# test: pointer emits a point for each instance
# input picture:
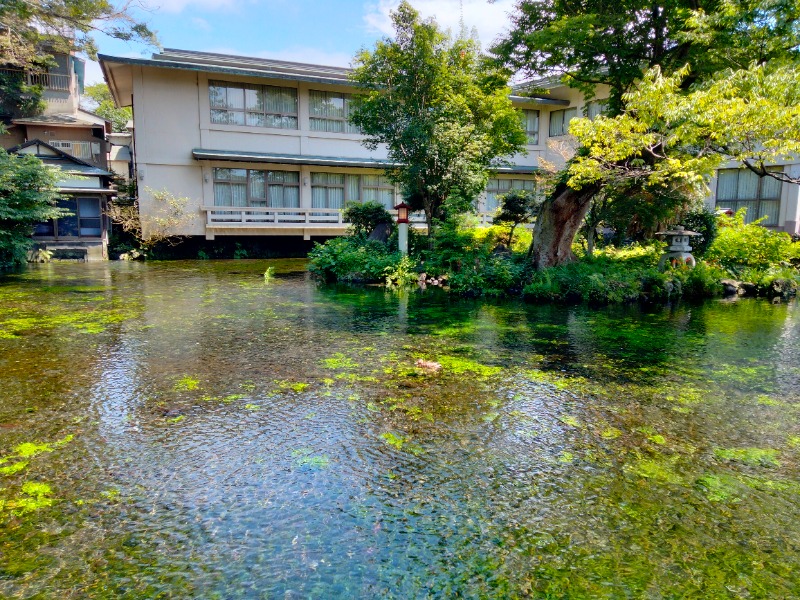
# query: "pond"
(194, 429)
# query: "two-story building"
(73, 140)
(263, 147)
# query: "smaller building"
(85, 189)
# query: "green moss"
(610, 433)
(339, 361)
(13, 468)
(719, 488)
(187, 384)
(570, 420)
(29, 449)
(754, 457)
(460, 365)
(662, 470)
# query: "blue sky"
(316, 31)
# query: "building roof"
(57, 157)
(321, 161)
(57, 120)
(119, 77)
(209, 62)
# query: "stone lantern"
(679, 249)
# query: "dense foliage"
(103, 104)
(473, 261)
(27, 196)
(352, 259)
(691, 85)
(740, 246)
(444, 119)
(365, 217)
(625, 275)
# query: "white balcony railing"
(51, 81)
(271, 218)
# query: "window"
(251, 187)
(498, 187)
(330, 111)
(327, 190)
(76, 149)
(530, 123)
(85, 220)
(596, 108)
(257, 105)
(559, 121)
(334, 190)
(741, 188)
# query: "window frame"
(254, 201)
(560, 117)
(735, 204)
(531, 135)
(347, 127)
(244, 111)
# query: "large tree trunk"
(558, 222)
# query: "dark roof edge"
(538, 100)
(324, 161)
(197, 67)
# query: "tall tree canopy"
(31, 30)
(445, 121)
(596, 42)
(102, 104)
(27, 196)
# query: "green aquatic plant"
(35, 495)
(187, 384)
(659, 469)
(460, 365)
(269, 274)
(252, 407)
(754, 457)
(570, 420)
(305, 457)
(13, 468)
(610, 433)
(339, 361)
(719, 488)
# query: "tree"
(28, 196)
(594, 42)
(168, 213)
(32, 30)
(750, 116)
(517, 207)
(444, 121)
(100, 96)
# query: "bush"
(363, 218)
(352, 259)
(739, 246)
(705, 223)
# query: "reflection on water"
(236, 437)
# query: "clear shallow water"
(236, 438)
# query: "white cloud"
(201, 24)
(177, 6)
(490, 20)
